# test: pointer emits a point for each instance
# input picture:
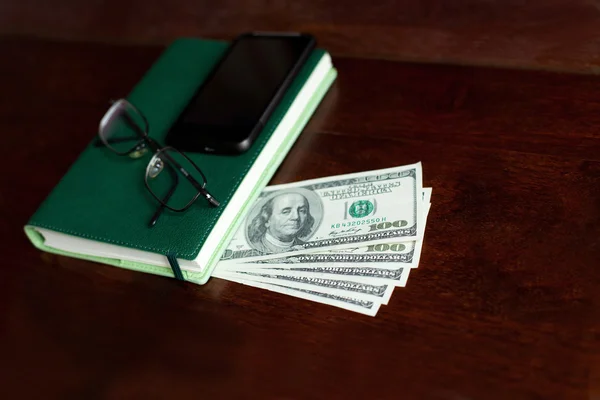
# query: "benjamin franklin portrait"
(281, 222)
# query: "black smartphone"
(230, 108)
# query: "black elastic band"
(175, 267)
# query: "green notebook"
(100, 209)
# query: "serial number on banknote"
(378, 225)
(355, 223)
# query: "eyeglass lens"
(123, 129)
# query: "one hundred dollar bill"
(366, 307)
(338, 286)
(383, 255)
(388, 255)
(336, 212)
(374, 275)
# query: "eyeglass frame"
(146, 142)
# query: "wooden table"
(505, 303)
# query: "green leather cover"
(103, 198)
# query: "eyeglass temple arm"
(209, 197)
(161, 207)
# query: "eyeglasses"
(171, 177)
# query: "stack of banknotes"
(345, 241)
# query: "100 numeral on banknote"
(328, 213)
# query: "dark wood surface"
(505, 302)
(549, 34)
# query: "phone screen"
(230, 104)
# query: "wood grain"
(505, 302)
(551, 34)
